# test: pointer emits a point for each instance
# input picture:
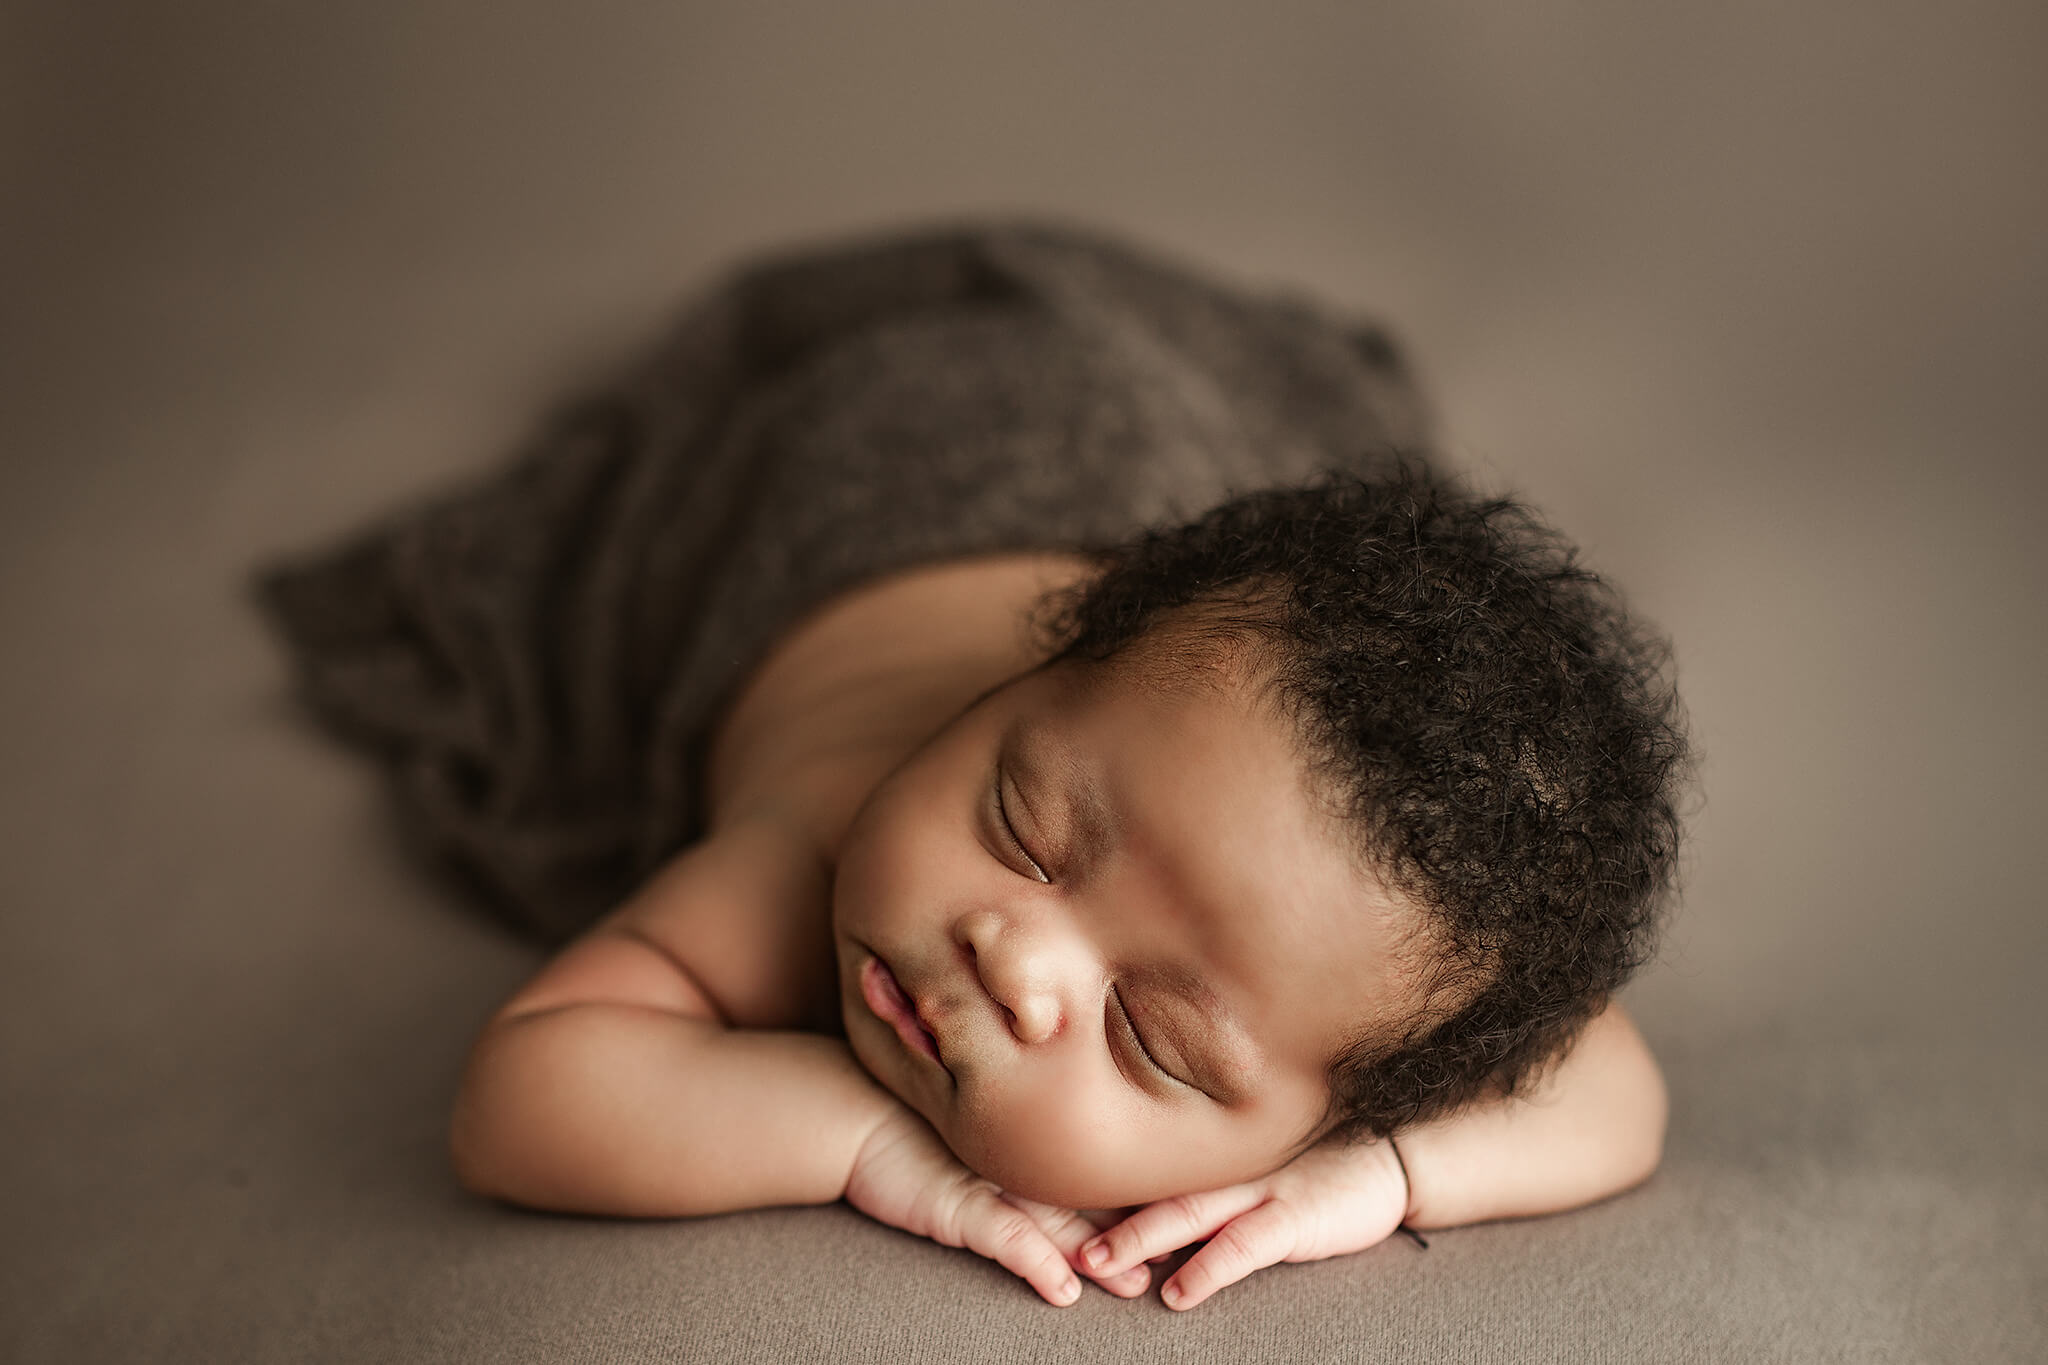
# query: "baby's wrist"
(888, 1123)
(1407, 1184)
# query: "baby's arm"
(1593, 1127)
(612, 1082)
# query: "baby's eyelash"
(1130, 1029)
(1010, 832)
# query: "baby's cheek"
(1056, 1154)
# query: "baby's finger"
(1105, 1219)
(1068, 1228)
(1165, 1227)
(991, 1226)
(1262, 1237)
(1130, 1283)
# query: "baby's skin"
(1047, 962)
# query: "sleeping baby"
(1263, 881)
(1016, 733)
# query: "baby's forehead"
(1237, 695)
(1161, 669)
(1098, 718)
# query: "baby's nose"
(1034, 1016)
(1028, 970)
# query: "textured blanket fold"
(540, 658)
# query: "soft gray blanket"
(539, 659)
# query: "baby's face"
(1140, 995)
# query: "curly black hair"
(1502, 736)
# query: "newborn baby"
(1264, 880)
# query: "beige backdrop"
(1752, 298)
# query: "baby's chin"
(1034, 1175)
(1021, 1166)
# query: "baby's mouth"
(894, 1007)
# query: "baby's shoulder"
(862, 680)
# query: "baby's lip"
(893, 1005)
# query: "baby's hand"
(906, 1177)
(1329, 1201)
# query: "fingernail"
(1096, 1255)
(1070, 1291)
(1171, 1293)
